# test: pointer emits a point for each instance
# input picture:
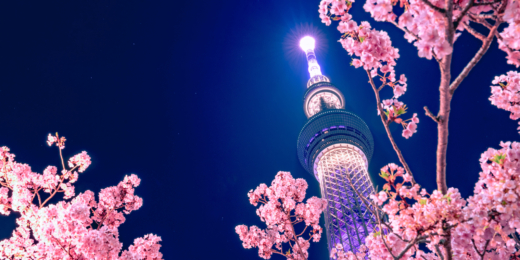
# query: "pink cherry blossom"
(77, 227)
(507, 94)
(281, 209)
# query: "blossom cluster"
(81, 228)
(493, 212)
(413, 215)
(487, 223)
(372, 50)
(510, 42)
(281, 209)
(507, 94)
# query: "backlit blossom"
(88, 228)
(281, 207)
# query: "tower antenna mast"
(336, 146)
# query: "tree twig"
(428, 113)
(385, 124)
(438, 9)
(485, 46)
(463, 13)
(474, 33)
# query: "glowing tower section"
(336, 147)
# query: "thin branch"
(414, 35)
(438, 9)
(385, 124)
(303, 231)
(474, 33)
(463, 13)
(61, 157)
(473, 17)
(298, 243)
(488, 3)
(428, 113)
(485, 46)
(439, 252)
(483, 251)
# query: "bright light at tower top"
(307, 43)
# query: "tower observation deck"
(336, 146)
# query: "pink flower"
(402, 79)
(407, 177)
(407, 133)
(399, 90)
(357, 63)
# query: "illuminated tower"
(336, 146)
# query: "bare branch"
(488, 3)
(485, 46)
(463, 13)
(385, 124)
(428, 113)
(438, 9)
(474, 33)
(438, 251)
(482, 21)
(483, 251)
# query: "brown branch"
(385, 124)
(439, 252)
(485, 46)
(296, 240)
(56, 190)
(303, 231)
(474, 33)
(438, 9)
(483, 251)
(61, 157)
(463, 13)
(428, 113)
(488, 3)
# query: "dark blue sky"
(203, 101)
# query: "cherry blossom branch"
(488, 3)
(474, 33)
(385, 124)
(303, 231)
(485, 46)
(438, 251)
(58, 242)
(483, 251)
(61, 157)
(429, 113)
(414, 35)
(277, 252)
(56, 189)
(298, 243)
(463, 13)
(438, 9)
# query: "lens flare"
(307, 43)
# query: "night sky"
(203, 101)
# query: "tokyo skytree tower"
(336, 146)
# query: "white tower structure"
(336, 146)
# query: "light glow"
(341, 169)
(307, 43)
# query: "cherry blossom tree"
(77, 227)
(281, 209)
(414, 224)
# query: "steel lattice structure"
(348, 221)
(336, 147)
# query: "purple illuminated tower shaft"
(336, 146)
